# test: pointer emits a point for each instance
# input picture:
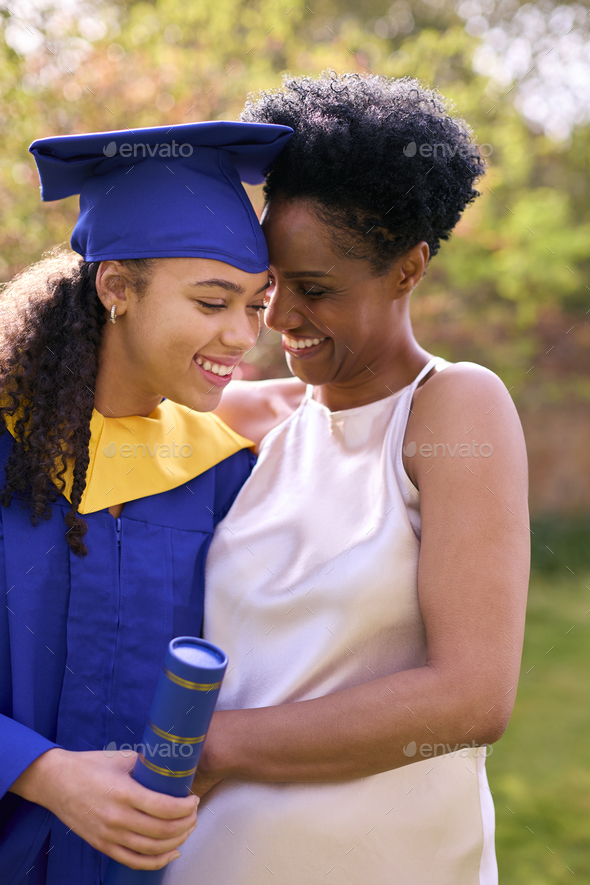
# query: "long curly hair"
(383, 161)
(51, 322)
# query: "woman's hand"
(95, 796)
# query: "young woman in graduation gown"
(369, 583)
(114, 474)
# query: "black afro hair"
(360, 152)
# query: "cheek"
(361, 327)
(256, 323)
(142, 339)
(186, 333)
(161, 339)
(344, 327)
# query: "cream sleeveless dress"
(311, 587)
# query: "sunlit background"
(510, 290)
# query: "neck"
(391, 370)
(114, 398)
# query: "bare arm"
(472, 585)
(253, 408)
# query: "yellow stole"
(135, 457)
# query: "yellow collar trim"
(135, 457)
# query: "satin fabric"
(312, 587)
(82, 642)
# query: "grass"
(539, 771)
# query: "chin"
(198, 402)
(307, 374)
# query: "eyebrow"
(228, 285)
(291, 275)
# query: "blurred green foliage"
(518, 256)
(561, 546)
(539, 772)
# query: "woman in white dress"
(369, 584)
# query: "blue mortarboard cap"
(166, 191)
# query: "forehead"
(293, 231)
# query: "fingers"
(159, 805)
(146, 846)
(140, 861)
(134, 825)
(154, 827)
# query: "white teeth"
(300, 343)
(216, 368)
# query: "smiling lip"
(217, 371)
(311, 345)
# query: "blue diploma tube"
(180, 716)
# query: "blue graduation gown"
(82, 642)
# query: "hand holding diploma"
(94, 796)
(132, 820)
(173, 739)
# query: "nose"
(240, 331)
(283, 311)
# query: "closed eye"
(312, 292)
(210, 306)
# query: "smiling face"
(341, 325)
(182, 339)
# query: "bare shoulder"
(464, 404)
(461, 384)
(253, 408)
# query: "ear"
(112, 286)
(410, 268)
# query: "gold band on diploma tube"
(174, 737)
(166, 771)
(195, 686)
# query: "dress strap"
(400, 432)
(308, 393)
(425, 370)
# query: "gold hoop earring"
(114, 313)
